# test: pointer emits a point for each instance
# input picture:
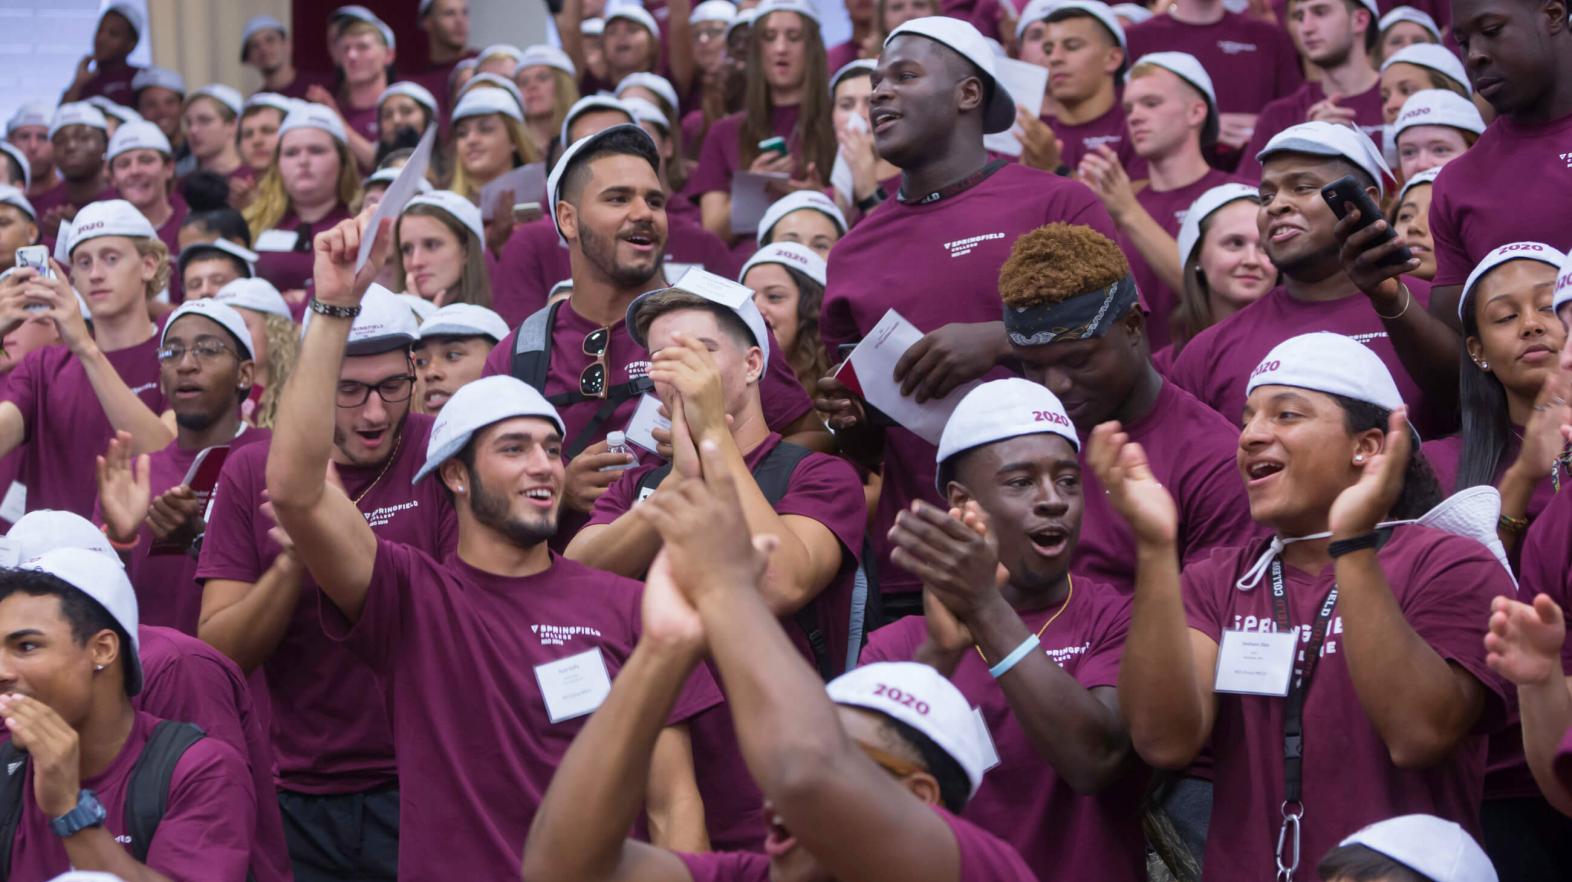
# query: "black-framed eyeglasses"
(352, 393)
(206, 352)
(592, 382)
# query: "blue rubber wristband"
(1014, 658)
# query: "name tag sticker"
(990, 753)
(1251, 663)
(574, 686)
(277, 240)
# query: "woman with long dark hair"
(1508, 382)
(787, 280)
(787, 97)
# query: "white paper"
(1255, 663)
(990, 752)
(840, 172)
(672, 271)
(398, 193)
(574, 686)
(277, 240)
(750, 199)
(646, 418)
(15, 503)
(873, 365)
(528, 183)
(1026, 84)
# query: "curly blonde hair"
(283, 344)
(155, 247)
(1053, 263)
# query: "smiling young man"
(68, 670)
(1299, 232)
(206, 267)
(338, 783)
(1338, 37)
(454, 343)
(65, 402)
(1172, 113)
(609, 205)
(142, 171)
(205, 358)
(1065, 793)
(364, 50)
(933, 252)
(1083, 47)
(864, 782)
(1513, 185)
(535, 637)
(80, 136)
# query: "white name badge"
(573, 686)
(1252, 663)
(990, 753)
(277, 240)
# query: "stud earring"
(1484, 365)
(1359, 458)
(98, 667)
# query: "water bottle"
(617, 442)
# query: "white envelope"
(646, 418)
(276, 240)
(750, 199)
(870, 372)
(1026, 84)
(398, 193)
(528, 183)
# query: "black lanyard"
(1293, 712)
(961, 186)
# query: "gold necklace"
(1067, 595)
(397, 443)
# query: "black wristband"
(871, 201)
(333, 310)
(1340, 547)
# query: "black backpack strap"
(532, 347)
(615, 396)
(773, 475)
(13, 778)
(148, 794)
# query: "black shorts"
(349, 837)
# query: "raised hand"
(1040, 148)
(333, 269)
(176, 516)
(689, 368)
(1122, 468)
(1359, 508)
(1524, 642)
(585, 481)
(955, 562)
(124, 488)
(54, 747)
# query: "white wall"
(41, 43)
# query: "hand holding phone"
(1345, 193)
(34, 257)
(775, 145)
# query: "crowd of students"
(742, 458)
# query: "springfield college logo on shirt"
(963, 247)
(559, 635)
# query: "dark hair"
(404, 139)
(812, 136)
(1486, 420)
(1359, 863)
(226, 222)
(1421, 490)
(17, 173)
(632, 141)
(85, 615)
(807, 358)
(954, 787)
(203, 251)
(205, 191)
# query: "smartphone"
(35, 257)
(527, 212)
(1345, 193)
(776, 144)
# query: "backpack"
(532, 362)
(146, 797)
(773, 475)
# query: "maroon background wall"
(309, 33)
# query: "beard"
(195, 422)
(602, 252)
(492, 510)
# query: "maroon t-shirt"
(362, 120)
(535, 258)
(840, 55)
(1545, 568)
(331, 732)
(302, 83)
(169, 234)
(1108, 130)
(167, 593)
(1250, 61)
(289, 270)
(721, 154)
(478, 758)
(1215, 365)
(112, 82)
(1443, 585)
(1294, 109)
(1513, 185)
(185, 679)
(1168, 208)
(936, 264)
(1445, 456)
(1063, 835)
(1201, 474)
(783, 397)
(57, 196)
(984, 858)
(436, 77)
(205, 832)
(65, 426)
